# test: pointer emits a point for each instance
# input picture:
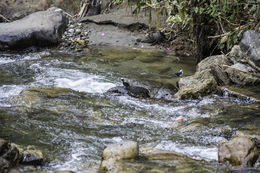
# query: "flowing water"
(73, 129)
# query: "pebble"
(71, 30)
(78, 31)
(75, 31)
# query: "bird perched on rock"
(179, 73)
(126, 84)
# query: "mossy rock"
(37, 97)
(243, 78)
(195, 125)
(197, 85)
(218, 60)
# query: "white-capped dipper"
(126, 84)
(179, 73)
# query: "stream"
(73, 129)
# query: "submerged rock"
(43, 28)
(151, 153)
(133, 91)
(238, 151)
(250, 46)
(37, 97)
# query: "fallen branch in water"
(1, 16)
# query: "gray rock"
(250, 45)
(43, 28)
(238, 151)
(71, 31)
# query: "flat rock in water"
(43, 28)
(133, 91)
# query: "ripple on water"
(7, 91)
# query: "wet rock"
(133, 91)
(242, 94)
(9, 156)
(125, 150)
(195, 125)
(9, 153)
(216, 65)
(4, 165)
(43, 28)
(63, 172)
(200, 84)
(238, 151)
(240, 74)
(32, 156)
(3, 145)
(42, 98)
(250, 46)
(22, 169)
(218, 60)
(236, 53)
(151, 153)
(252, 132)
(209, 74)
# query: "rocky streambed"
(58, 102)
(66, 109)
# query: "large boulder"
(43, 28)
(238, 151)
(17, 9)
(250, 46)
(209, 74)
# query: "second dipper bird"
(179, 73)
(126, 84)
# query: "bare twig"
(1, 16)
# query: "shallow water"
(73, 130)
